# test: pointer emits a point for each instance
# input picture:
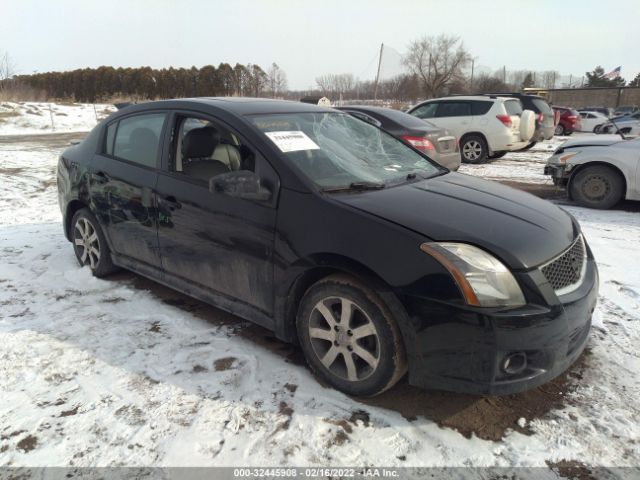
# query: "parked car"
(599, 171)
(335, 235)
(625, 110)
(545, 124)
(592, 121)
(625, 124)
(568, 121)
(437, 143)
(606, 111)
(488, 127)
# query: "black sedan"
(337, 236)
(436, 142)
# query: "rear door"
(513, 107)
(122, 186)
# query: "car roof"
(242, 105)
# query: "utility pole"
(504, 74)
(375, 90)
(473, 61)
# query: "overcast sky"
(308, 39)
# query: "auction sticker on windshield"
(292, 141)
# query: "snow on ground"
(27, 118)
(525, 166)
(105, 372)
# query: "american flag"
(615, 73)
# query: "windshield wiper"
(359, 186)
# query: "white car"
(597, 171)
(592, 121)
(487, 126)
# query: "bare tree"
(437, 61)
(7, 67)
(276, 80)
(549, 78)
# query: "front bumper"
(464, 349)
(558, 173)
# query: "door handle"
(171, 203)
(99, 177)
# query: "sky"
(308, 39)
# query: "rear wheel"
(349, 337)
(597, 187)
(473, 149)
(89, 244)
(559, 129)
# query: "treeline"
(104, 83)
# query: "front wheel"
(597, 187)
(349, 337)
(89, 243)
(474, 149)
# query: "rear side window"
(454, 109)
(513, 107)
(137, 138)
(480, 108)
(428, 110)
(111, 135)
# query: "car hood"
(592, 141)
(520, 229)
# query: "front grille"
(566, 270)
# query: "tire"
(528, 147)
(369, 336)
(596, 129)
(497, 155)
(527, 125)
(473, 149)
(597, 187)
(559, 129)
(90, 245)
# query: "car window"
(335, 150)
(203, 148)
(513, 107)
(111, 135)
(402, 119)
(542, 106)
(137, 138)
(454, 109)
(480, 108)
(428, 110)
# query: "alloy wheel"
(344, 338)
(472, 150)
(87, 243)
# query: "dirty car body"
(490, 289)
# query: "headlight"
(483, 280)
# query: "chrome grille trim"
(561, 271)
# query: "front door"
(123, 179)
(216, 242)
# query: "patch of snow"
(102, 373)
(29, 118)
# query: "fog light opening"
(514, 363)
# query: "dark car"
(545, 124)
(568, 120)
(337, 236)
(436, 142)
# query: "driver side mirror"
(240, 184)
